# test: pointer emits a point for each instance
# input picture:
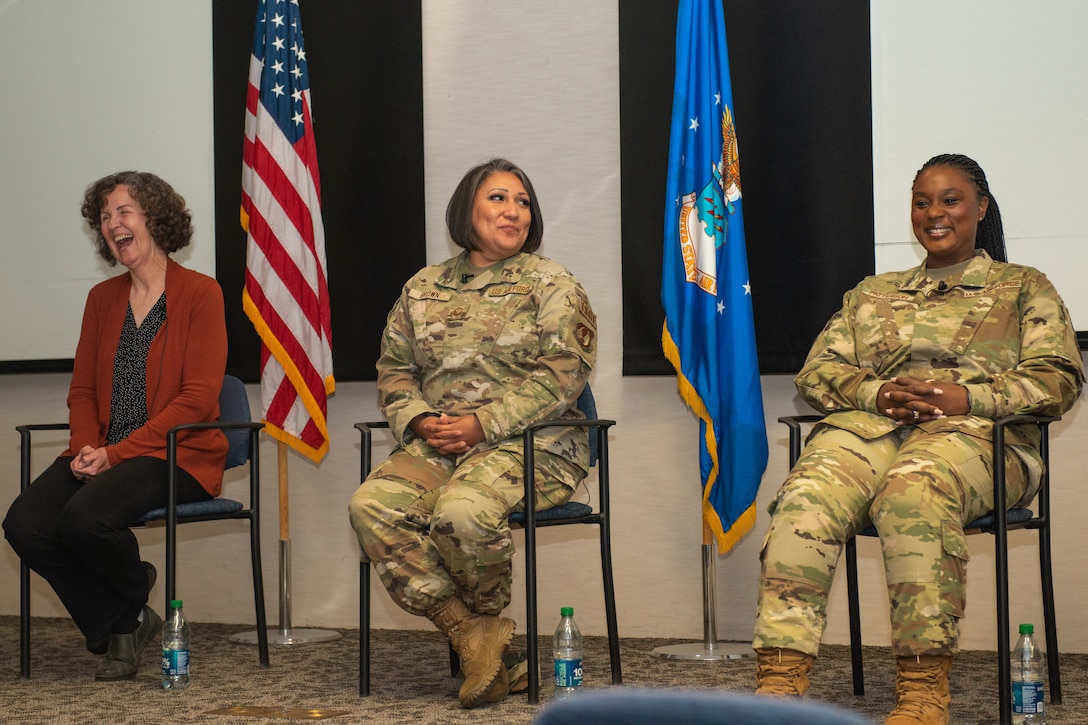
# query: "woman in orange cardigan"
(151, 355)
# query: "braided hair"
(991, 234)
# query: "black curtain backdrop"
(366, 80)
(803, 109)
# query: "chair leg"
(364, 628)
(1004, 668)
(856, 665)
(1050, 623)
(531, 640)
(24, 620)
(258, 591)
(455, 661)
(610, 604)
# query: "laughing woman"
(151, 355)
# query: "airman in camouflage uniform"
(999, 330)
(910, 374)
(513, 346)
(475, 350)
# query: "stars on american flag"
(286, 289)
(283, 55)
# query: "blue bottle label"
(175, 662)
(1027, 698)
(568, 673)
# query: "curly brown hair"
(170, 223)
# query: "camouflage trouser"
(917, 489)
(436, 529)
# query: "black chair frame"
(172, 514)
(529, 520)
(998, 523)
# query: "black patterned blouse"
(128, 406)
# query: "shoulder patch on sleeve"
(585, 325)
(586, 311)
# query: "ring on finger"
(916, 415)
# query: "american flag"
(286, 293)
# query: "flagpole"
(286, 635)
(709, 331)
(710, 649)
(285, 264)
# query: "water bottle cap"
(1027, 629)
(566, 612)
(175, 604)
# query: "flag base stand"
(706, 651)
(709, 650)
(285, 634)
(288, 636)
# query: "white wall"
(536, 82)
(93, 88)
(1002, 82)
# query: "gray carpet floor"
(411, 682)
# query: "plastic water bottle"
(1028, 673)
(175, 649)
(568, 655)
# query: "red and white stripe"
(286, 292)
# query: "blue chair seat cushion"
(200, 508)
(569, 510)
(985, 523)
(1012, 516)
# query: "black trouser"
(76, 536)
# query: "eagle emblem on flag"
(704, 215)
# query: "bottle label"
(568, 673)
(1027, 698)
(175, 662)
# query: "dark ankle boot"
(122, 660)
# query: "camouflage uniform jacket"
(999, 329)
(514, 346)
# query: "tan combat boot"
(782, 672)
(921, 691)
(481, 642)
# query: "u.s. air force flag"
(709, 333)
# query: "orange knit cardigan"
(185, 368)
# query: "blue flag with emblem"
(709, 332)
